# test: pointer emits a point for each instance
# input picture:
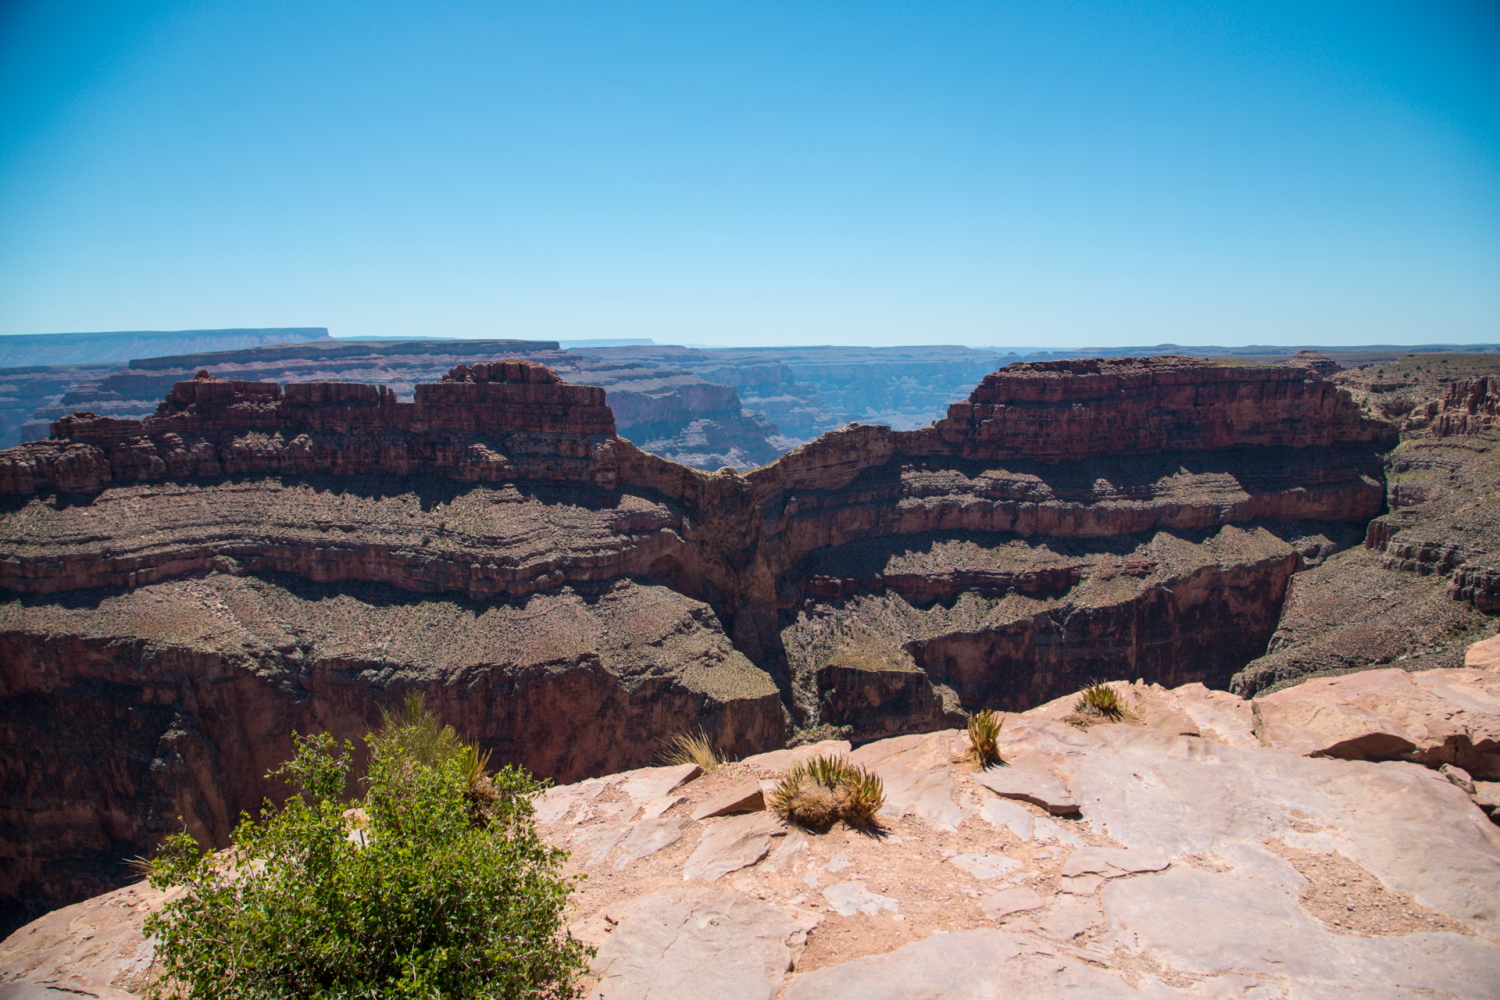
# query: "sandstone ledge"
(1200, 866)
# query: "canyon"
(188, 587)
(1200, 845)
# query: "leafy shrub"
(819, 791)
(984, 732)
(691, 748)
(444, 891)
(1100, 699)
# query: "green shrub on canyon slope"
(441, 888)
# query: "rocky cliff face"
(674, 413)
(1425, 582)
(1011, 551)
(253, 559)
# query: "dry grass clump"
(820, 791)
(1100, 700)
(691, 748)
(984, 732)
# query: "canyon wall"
(253, 559)
(1426, 581)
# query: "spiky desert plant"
(415, 734)
(1100, 699)
(863, 795)
(984, 732)
(819, 791)
(691, 748)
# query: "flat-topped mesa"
(487, 422)
(1053, 411)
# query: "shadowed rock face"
(253, 560)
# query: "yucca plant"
(414, 734)
(1100, 699)
(984, 732)
(691, 748)
(819, 791)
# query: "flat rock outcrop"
(1191, 866)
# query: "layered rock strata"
(254, 552)
(676, 414)
(251, 561)
(1011, 551)
(1425, 582)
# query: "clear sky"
(985, 173)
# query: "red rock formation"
(1469, 408)
(1069, 520)
(492, 423)
(1057, 410)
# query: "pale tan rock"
(1487, 794)
(1030, 781)
(645, 838)
(595, 842)
(777, 761)
(1484, 655)
(985, 866)
(1008, 813)
(1220, 716)
(655, 808)
(915, 771)
(650, 783)
(1111, 862)
(1080, 885)
(1008, 901)
(93, 948)
(696, 942)
(743, 796)
(1070, 916)
(849, 898)
(1433, 718)
(732, 843)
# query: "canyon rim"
(184, 591)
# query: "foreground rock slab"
(1196, 867)
(700, 943)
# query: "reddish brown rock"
(277, 558)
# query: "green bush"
(439, 888)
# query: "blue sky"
(1024, 173)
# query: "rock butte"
(1212, 863)
(188, 589)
